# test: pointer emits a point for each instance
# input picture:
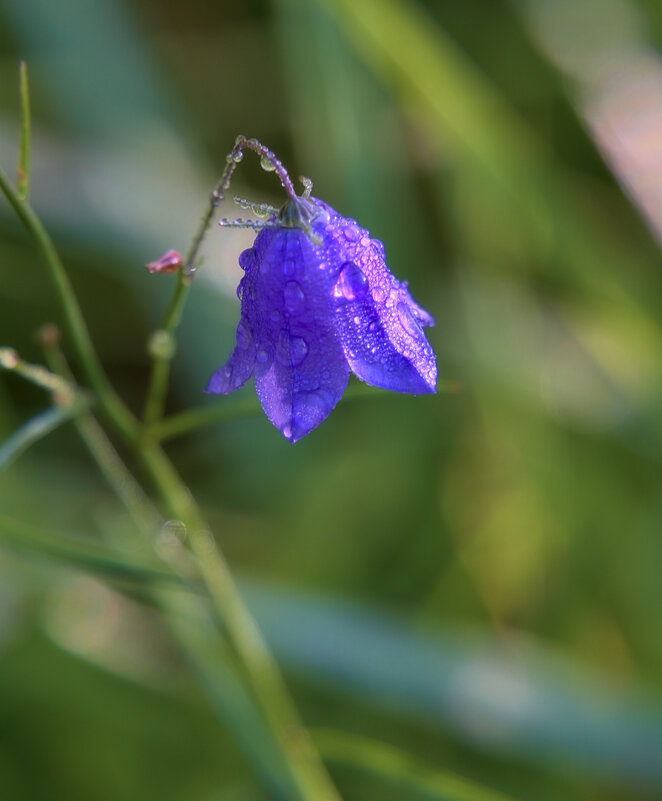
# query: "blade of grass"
(396, 766)
(23, 171)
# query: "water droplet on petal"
(357, 320)
(262, 356)
(378, 294)
(408, 321)
(374, 325)
(288, 267)
(352, 232)
(352, 281)
(274, 316)
(293, 297)
(246, 259)
(287, 430)
(244, 335)
(266, 165)
(298, 350)
(240, 289)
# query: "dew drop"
(378, 294)
(246, 259)
(352, 281)
(352, 232)
(266, 164)
(298, 350)
(365, 241)
(374, 325)
(262, 356)
(293, 297)
(274, 316)
(240, 289)
(357, 320)
(407, 320)
(288, 267)
(287, 430)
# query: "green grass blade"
(23, 179)
(399, 768)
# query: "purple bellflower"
(317, 300)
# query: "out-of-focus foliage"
(473, 577)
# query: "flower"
(317, 300)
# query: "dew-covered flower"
(317, 300)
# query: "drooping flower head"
(317, 300)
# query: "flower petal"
(382, 353)
(300, 370)
(379, 322)
(239, 367)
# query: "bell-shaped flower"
(317, 300)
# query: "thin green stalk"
(34, 429)
(162, 348)
(63, 391)
(140, 508)
(192, 419)
(110, 402)
(160, 376)
(302, 759)
(23, 172)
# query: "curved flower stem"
(112, 404)
(157, 388)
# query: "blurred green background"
(473, 577)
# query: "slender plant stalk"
(33, 430)
(176, 425)
(23, 172)
(112, 405)
(142, 511)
